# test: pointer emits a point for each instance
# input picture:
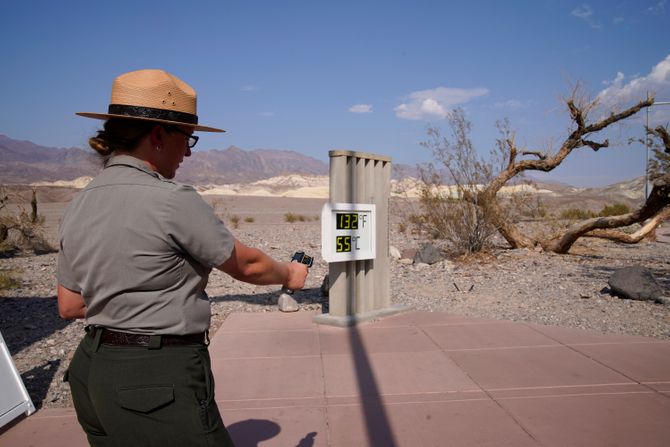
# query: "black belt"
(110, 337)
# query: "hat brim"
(106, 116)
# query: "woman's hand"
(297, 274)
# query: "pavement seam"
(323, 381)
(493, 399)
(611, 368)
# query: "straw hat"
(153, 95)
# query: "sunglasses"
(192, 139)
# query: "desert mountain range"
(259, 172)
(24, 162)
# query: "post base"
(352, 320)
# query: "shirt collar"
(129, 160)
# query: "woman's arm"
(70, 304)
(253, 266)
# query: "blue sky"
(312, 76)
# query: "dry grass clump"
(9, 280)
(292, 217)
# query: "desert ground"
(567, 290)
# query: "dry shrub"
(614, 210)
(292, 217)
(20, 231)
(9, 280)
(458, 213)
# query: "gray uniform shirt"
(139, 248)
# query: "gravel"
(520, 285)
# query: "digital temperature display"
(348, 231)
(342, 244)
(346, 221)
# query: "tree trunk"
(656, 204)
(633, 238)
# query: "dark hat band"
(148, 112)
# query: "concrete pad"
(355, 320)
(267, 377)
(495, 335)
(393, 373)
(663, 387)
(373, 339)
(533, 367)
(572, 336)
(420, 379)
(410, 398)
(624, 420)
(422, 318)
(568, 390)
(644, 362)
(53, 427)
(266, 344)
(477, 423)
(277, 426)
(267, 321)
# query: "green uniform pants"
(134, 396)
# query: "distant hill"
(24, 162)
(234, 165)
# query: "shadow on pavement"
(376, 419)
(251, 432)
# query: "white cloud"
(617, 20)
(657, 83)
(621, 91)
(583, 12)
(436, 103)
(249, 88)
(657, 8)
(361, 108)
(267, 114)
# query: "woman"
(136, 250)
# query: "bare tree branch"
(595, 146)
(574, 141)
(538, 154)
(633, 238)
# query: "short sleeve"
(64, 273)
(192, 225)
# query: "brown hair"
(119, 134)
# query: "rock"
(325, 286)
(422, 266)
(406, 261)
(408, 253)
(635, 283)
(428, 254)
(287, 303)
(447, 265)
(394, 252)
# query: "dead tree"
(654, 209)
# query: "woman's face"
(175, 148)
